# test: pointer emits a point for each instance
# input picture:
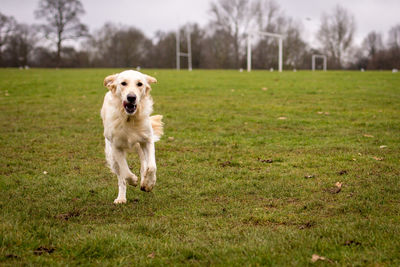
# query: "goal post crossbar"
(268, 34)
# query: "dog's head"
(130, 87)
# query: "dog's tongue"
(129, 107)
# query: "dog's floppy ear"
(149, 81)
(109, 82)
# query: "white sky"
(165, 15)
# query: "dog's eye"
(123, 83)
(139, 84)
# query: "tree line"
(220, 44)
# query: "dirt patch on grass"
(42, 250)
(257, 221)
(68, 215)
(351, 243)
(11, 256)
(265, 160)
(229, 163)
(307, 225)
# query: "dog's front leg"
(121, 168)
(148, 169)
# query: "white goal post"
(180, 54)
(313, 61)
(268, 34)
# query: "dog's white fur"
(125, 131)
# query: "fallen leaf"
(327, 113)
(264, 88)
(309, 176)
(383, 146)
(377, 158)
(226, 163)
(171, 138)
(151, 255)
(233, 90)
(368, 135)
(336, 189)
(320, 112)
(306, 225)
(354, 159)
(316, 257)
(282, 118)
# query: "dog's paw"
(149, 180)
(120, 201)
(146, 188)
(132, 180)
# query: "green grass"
(217, 201)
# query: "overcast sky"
(153, 15)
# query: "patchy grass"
(247, 179)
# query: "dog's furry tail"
(157, 125)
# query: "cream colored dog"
(128, 125)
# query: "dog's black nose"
(131, 98)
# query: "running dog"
(127, 126)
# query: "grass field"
(246, 176)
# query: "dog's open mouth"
(129, 107)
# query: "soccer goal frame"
(180, 54)
(267, 34)
(313, 61)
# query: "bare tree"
(232, 17)
(20, 46)
(63, 21)
(394, 37)
(267, 18)
(336, 34)
(120, 46)
(394, 47)
(267, 13)
(7, 26)
(162, 55)
(270, 18)
(294, 46)
(372, 43)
